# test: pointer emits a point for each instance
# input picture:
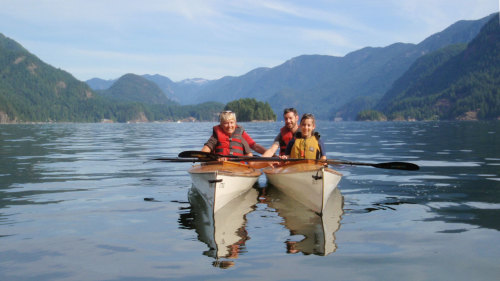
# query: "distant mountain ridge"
(459, 82)
(100, 84)
(135, 88)
(452, 74)
(33, 91)
(329, 86)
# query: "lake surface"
(72, 207)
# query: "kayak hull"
(309, 182)
(220, 182)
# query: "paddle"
(207, 156)
(176, 159)
(386, 165)
(191, 156)
(203, 155)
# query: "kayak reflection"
(318, 231)
(224, 231)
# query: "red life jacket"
(229, 145)
(286, 137)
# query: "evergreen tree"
(250, 109)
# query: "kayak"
(308, 181)
(223, 232)
(220, 182)
(316, 233)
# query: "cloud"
(213, 38)
(437, 15)
(330, 38)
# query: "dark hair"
(290, 109)
(307, 116)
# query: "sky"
(184, 39)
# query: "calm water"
(72, 207)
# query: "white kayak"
(308, 181)
(220, 182)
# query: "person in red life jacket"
(291, 118)
(229, 138)
(306, 144)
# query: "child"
(306, 143)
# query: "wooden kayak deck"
(226, 168)
(299, 167)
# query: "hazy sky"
(211, 39)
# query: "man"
(291, 118)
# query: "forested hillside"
(33, 91)
(251, 110)
(331, 87)
(135, 88)
(454, 83)
(457, 82)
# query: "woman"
(228, 138)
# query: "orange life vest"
(229, 145)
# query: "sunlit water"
(72, 207)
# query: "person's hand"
(273, 164)
(222, 159)
(283, 157)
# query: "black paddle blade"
(197, 154)
(167, 159)
(397, 166)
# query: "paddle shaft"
(200, 156)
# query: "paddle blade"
(197, 154)
(397, 166)
(167, 159)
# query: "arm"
(253, 145)
(322, 152)
(272, 150)
(210, 144)
(274, 147)
(258, 148)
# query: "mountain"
(324, 84)
(184, 92)
(135, 88)
(164, 83)
(31, 90)
(328, 86)
(421, 68)
(353, 107)
(100, 84)
(457, 82)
